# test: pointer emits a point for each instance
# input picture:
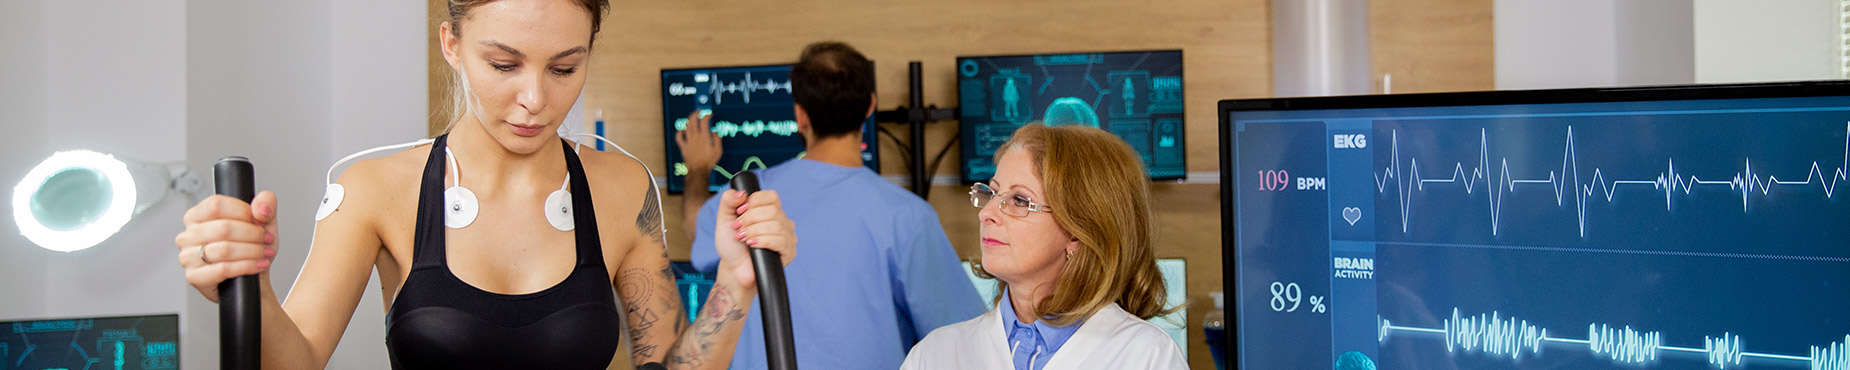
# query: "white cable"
(350, 157)
(645, 169)
(454, 171)
(330, 200)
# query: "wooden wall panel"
(1433, 45)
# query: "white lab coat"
(1110, 339)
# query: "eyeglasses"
(1013, 204)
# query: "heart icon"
(1352, 215)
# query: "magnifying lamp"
(77, 199)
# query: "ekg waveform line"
(745, 87)
(1568, 182)
(1502, 336)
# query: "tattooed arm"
(760, 224)
(655, 327)
(651, 303)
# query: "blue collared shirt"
(874, 271)
(1030, 345)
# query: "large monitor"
(753, 113)
(1136, 95)
(124, 342)
(1682, 227)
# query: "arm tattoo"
(673, 295)
(719, 310)
(648, 298)
(638, 309)
(649, 219)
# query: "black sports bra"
(439, 321)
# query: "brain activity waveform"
(755, 128)
(1623, 345)
(1493, 334)
(1504, 336)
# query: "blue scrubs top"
(874, 272)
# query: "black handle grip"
(780, 345)
(239, 316)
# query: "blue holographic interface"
(122, 343)
(1706, 233)
(753, 113)
(1135, 95)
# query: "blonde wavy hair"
(1101, 195)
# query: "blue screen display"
(1135, 95)
(1660, 234)
(693, 285)
(130, 342)
(753, 113)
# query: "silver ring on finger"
(202, 254)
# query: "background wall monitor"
(124, 342)
(1673, 227)
(1136, 95)
(753, 113)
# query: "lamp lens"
(72, 199)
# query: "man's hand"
(700, 147)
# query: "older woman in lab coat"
(1066, 230)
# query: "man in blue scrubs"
(876, 273)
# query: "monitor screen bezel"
(1226, 108)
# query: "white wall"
(103, 78)
(118, 86)
(23, 39)
(1543, 44)
(1742, 41)
(258, 87)
(1554, 44)
(378, 98)
(291, 85)
(1598, 43)
(1655, 42)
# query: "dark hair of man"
(834, 84)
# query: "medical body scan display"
(1670, 228)
(753, 113)
(1135, 95)
(128, 343)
